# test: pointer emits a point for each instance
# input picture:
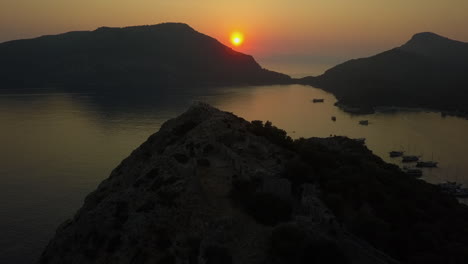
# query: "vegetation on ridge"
(407, 218)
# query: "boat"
(449, 185)
(453, 188)
(461, 193)
(414, 172)
(333, 118)
(318, 100)
(364, 122)
(396, 154)
(410, 158)
(426, 164)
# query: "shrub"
(288, 241)
(269, 208)
(152, 173)
(293, 244)
(266, 208)
(203, 162)
(297, 171)
(167, 197)
(208, 149)
(184, 128)
(167, 259)
(217, 255)
(324, 251)
(146, 207)
(114, 244)
(272, 133)
(162, 238)
(120, 214)
(162, 181)
(181, 158)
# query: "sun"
(237, 38)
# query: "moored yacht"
(364, 122)
(453, 188)
(396, 154)
(410, 158)
(414, 172)
(426, 164)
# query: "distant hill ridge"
(168, 54)
(428, 71)
(437, 47)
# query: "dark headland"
(429, 71)
(210, 187)
(157, 56)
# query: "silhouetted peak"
(435, 46)
(149, 55)
(170, 26)
(426, 39)
(428, 36)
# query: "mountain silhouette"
(169, 54)
(437, 47)
(428, 71)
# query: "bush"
(324, 251)
(288, 241)
(184, 128)
(181, 158)
(266, 208)
(114, 244)
(293, 244)
(203, 162)
(217, 255)
(152, 173)
(380, 204)
(298, 172)
(162, 238)
(167, 259)
(269, 209)
(208, 149)
(120, 214)
(272, 133)
(146, 207)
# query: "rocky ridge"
(180, 198)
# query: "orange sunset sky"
(300, 31)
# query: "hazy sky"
(320, 30)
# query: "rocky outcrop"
(206, 189)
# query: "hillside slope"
(169, 54)
(428, 71)
(210, 187)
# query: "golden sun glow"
(237, 38)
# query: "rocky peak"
(170, 26)
(435, 46)
(427, 36)
(206, 188)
